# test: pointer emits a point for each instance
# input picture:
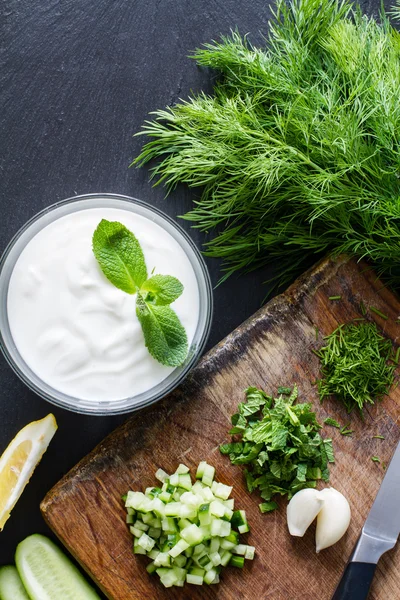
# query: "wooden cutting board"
(272, 348)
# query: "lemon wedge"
(19, 460)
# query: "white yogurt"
(73, 328)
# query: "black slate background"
(77, 79)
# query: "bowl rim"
(132, 403)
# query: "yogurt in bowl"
(73, 336)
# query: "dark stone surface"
(77, 79)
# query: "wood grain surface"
(273, 347)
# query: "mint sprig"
(121, 258)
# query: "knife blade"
(379, 534)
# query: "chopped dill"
(355, 365)
(345, 430)
(396, 358)
(375, 459)
(335, 297)
(378, 312)
(378, 437)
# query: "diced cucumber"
(185, 481)
(180, 560)
(146, 542)
(162, 560)
(151, 568)
(217, 508)
(239, 549)
(200, 469)
(197, 572)
(179, 547)
(137, 549)
(250, 552)
(220, 490)
(215, 558)
(165, 496)
(192, 535)
(47, 573)
(208, 475)
(194, 579)
(174, 479)
(140, 525)
(182, 469)
(237, 561)
(210, 576)
(168, 525)
(225, 558)
(161, 475)
(186, 530)
(173, 509)
(239, 521)
(11, 586)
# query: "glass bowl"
(66, 207)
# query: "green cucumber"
(11, 586)
(48, 574)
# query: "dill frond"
(296, 153)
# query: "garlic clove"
(333, 519)
(302, 510)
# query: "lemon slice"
(19, 460)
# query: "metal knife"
(378, 535)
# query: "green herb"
(362, 308)
(354, 365)
(396, 358)
(335, 297)
(295, 153)
(122, 261)
(345, 430)
(332, 422)
(316, 333)
(378, 312)
(280, 445)
(375, 459)
(379, 437)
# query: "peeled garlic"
(333, 519)
(302, 510)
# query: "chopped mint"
(280, 445)
(332, 422)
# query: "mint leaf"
(164, 334)
(119, 255)
(161, 289)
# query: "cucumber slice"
(11, 586)
(48, 574)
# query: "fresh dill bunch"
(296, 153)
(355, 365)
